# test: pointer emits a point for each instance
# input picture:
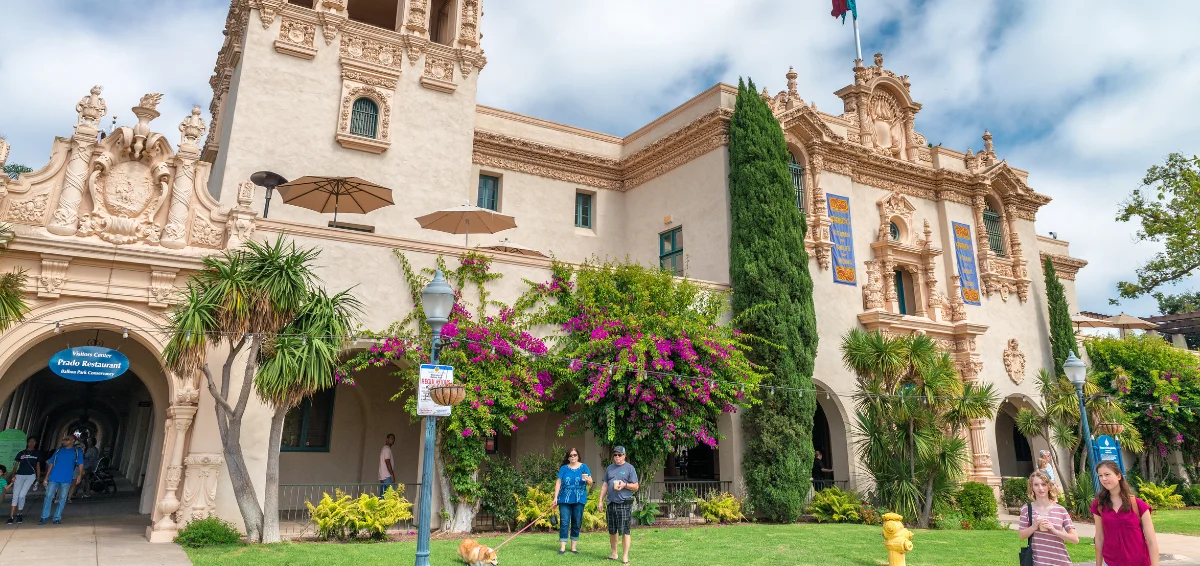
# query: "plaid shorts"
(619, 516)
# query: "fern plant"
(720, 508)
(593, 519)
(833, 505)
(1160, 496)
(534, 506)
(345, 517)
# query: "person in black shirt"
(27, 468)
(821, 472)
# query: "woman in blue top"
(570, 495)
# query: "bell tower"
(378, 89)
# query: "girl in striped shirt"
(1050, 525)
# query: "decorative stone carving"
(267, 10)
(873, 288)
(368, 79)
(418, 11)
(179, 422)
(52, 276)
(894, 207)
(204, 234)
(200, 487)
(128, 185)
(175, 234)
(958, 309)
(162, 286)
(28, 211)
(91, 109)
(192, 128)
(468, 31)
(439, 74)
(362, 49)
(332, 16)
(887, 122)
(382, 139)
(1014, 362)
(296, 39)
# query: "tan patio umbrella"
(325, 194)
(1126, 322)
(466, 219)
(1082, 321)
(514, 248)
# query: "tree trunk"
(271, 489)
(231, 443)
(927, 507)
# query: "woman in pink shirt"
(1124, 529)
(1050, 525)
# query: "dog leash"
(526, 528)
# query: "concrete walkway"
(98, 531)
(1173, 549)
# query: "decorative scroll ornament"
(1014, 362)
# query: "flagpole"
(857, 42)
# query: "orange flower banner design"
(967, 273)
(842, 237)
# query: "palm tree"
(256, 300)
(12, 289)
(911, 409)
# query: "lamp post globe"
(437, 300)
(1076, 371)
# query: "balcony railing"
(702, 488)
(296, 521)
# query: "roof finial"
(987, 141)
(879, 60)
(793, 94)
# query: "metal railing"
(702, 488)
(819, 485)
(296, 521)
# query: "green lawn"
(1186, 522)
(739, 545)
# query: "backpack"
(75, 450)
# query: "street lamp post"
(1076, 371)
(437, 300)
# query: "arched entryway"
(1015, 453)
(831, 437)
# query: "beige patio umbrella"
(1126, 322)
(466, 219)
(514, 248)
(1082, 321)
(325, 194)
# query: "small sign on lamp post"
(433, 376)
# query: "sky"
(1084, 95)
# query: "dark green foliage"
(769, 266)
(14, 170)
(976, 501)
(208, 532)
(501, 482)
(540, 470)
(1180, 304)
(1191, 495)
(1014, 491)
(1062, 335)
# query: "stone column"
(200, 487)
(911, 149)
(981, 456)
(66, 217)
(181, 421)
(174, 236)
(730, 451)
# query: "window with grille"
(364, 118)
(670, 250)
(995, 230)
(895, 231)
(797, 181)
(583, 210)
(899, 276)
(489, 192)
(308, 426)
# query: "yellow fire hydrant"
(896, 538)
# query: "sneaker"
(10, 520)
(20, 518)
(58, 521)
(42, 522)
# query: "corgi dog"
(475, 554)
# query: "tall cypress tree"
(1062, 337)
(769, 266)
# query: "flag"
(840, 7)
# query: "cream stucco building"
(109, 229)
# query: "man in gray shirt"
(620, 483)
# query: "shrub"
(208, 532)
(720, 508)
(536, 503)
(976, 501)
(1160, 497)
(1014, 491)
(1078, 498)
(500, 483)
(871, 515)
(540, 470)
(987, 524)
(645, 512)
(680, 500)
(345, 518)
(950, 521)
(833, 505)
(1191, 495)
(593, 519)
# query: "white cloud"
(1084, 95)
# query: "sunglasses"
(618, 454)
(573, 455)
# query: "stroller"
(100, 479)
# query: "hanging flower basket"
(1111, 429)
(448, 395)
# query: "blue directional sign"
(1107, 448)
(89, 363)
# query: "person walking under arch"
(570, 496)
(620, 483)
(387, 473)
(1124, 529)
(1049, 524)
(26, 469)
(64, 466)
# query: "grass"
(1183, 522)
(736, 545)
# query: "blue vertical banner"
(842, 236)
(968, 275)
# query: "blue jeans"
(571, 521)
(62, 489)
(384, 485)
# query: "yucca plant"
(13, 307)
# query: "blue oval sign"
(89, 363)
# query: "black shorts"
(619, 516)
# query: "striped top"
(1048, 549)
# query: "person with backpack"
(64, 466)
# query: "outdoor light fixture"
(1076, 371)
(270, 180)
(125, 333)
(438, 301)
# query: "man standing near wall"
(387, 475)
(620, 483)
(66, 462)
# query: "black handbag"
(1027, 552)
